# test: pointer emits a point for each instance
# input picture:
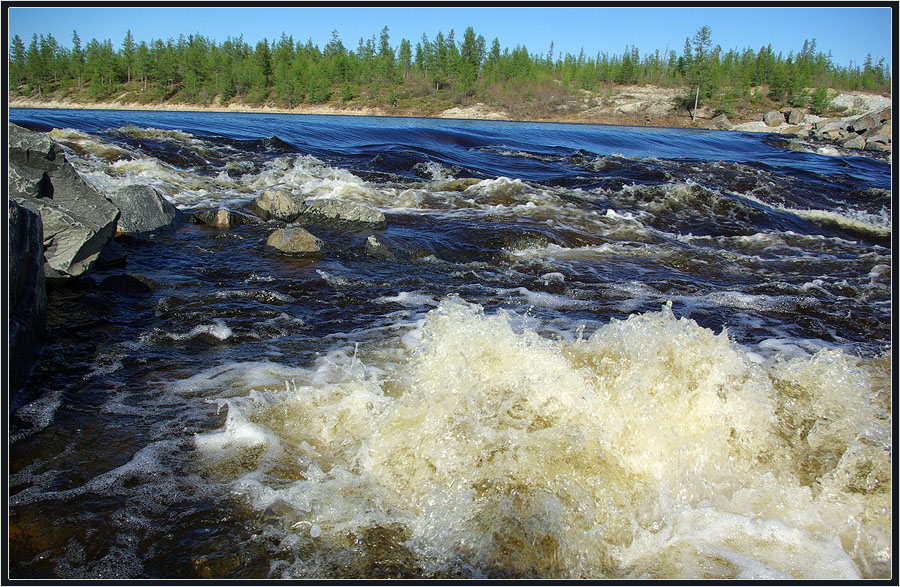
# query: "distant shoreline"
(473, 112)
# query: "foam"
(655, 448)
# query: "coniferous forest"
(424, 74)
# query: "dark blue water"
(237, 415)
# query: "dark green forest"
(424, 74)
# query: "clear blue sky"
(849, 33)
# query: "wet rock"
(454, 185)
(720, 122)
(27, 290)
(375, 247)
(112, 255)
(143, 209)
(77, 220)
(773, 118)
(221, 218)
(293, 240)
(277, 204)
(332, 210)
(128, 283)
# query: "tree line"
(288, 72)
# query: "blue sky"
(848, 32)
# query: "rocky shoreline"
(625, 105)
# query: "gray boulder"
(27, 290)
(143, 209)
(331, 210)
(277, 204)
(877, 146)
(854, 142)
(77, 220)
(863, 123)
(293, 240)
(720, 122)
(773, 118)
(795, 116)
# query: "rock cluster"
(61, 227)
(869, 128)
(282, 204)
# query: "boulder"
(293, 240)
(884, 114)
(799, 132)
(795, 116)
(143, 209)
(854, 142)
(27, 290)
(773, 118)
(128, 283)
(877, 146)
(375, 247)
(863, 123)
(221, 218)
(77, 221)
(720, 122)
(112, 255)
(277, 204)
(332, 210)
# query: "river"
(593, 352)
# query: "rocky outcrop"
(294, 240)
(143, 209)
(870, 131)
(27, 290)
(282, 204)
(77, 221)
(869, 128)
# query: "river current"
(592, 352)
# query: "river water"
(607, 352)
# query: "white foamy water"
(652, 449)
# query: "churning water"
(593, 352)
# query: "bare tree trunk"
(696, 99)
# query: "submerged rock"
(375, 247)
(221, 218)
(293, 240)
